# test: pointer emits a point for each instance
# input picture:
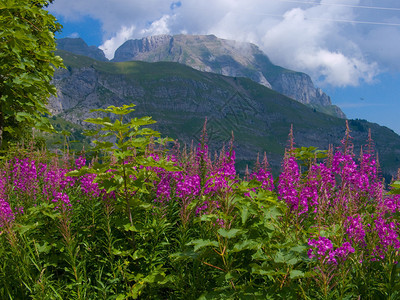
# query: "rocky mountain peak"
(133, 48)
(230, 58)
(78, 46)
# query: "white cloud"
(74, 35)
(336, 69)
(158, 27)
(113, 43)
(298, 35)
(300, 41)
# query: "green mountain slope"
(211, 54)
(227, 57)
(179, 98)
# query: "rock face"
(300, 86)
(204, 53)
(78, 46)
(230, 58)
(179, 98)
(134, 48)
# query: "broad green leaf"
(246, 245)
(198, 244)
(286, 258)
(296, 274)
(123, 110)
(184, 255)
(45, 248)
(230, 233)
(25, 228)
(299, 248)
(98, 121)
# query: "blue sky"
(350, 48)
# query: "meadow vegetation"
(135, 218)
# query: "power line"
(353, 21)
(343, 5)
(336, 20)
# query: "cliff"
(179, 98)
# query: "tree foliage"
(27, 64)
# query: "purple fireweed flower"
(163, 192)
(202, 151)
(62, 200)
(219, 179)
(323, 249)
(56, 181)
(357, 181)
(42, 168)
(323, 246)
(6, 213)
(221, 222)
(391, 204)
(24, 176)
(89, 187)
(80, 162)
(202, 208)
(344, 250)
(189, 186)
(19, 210)
(289, 182)
(355, 230)
(264, 177)
(387, 235)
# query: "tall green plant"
(126, 167)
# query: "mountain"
(79, 46)
(226, 57)
(179, 98)
(211, 54)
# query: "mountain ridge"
(208, 53)
(79, 46)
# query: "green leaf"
(245, 214)
(178, 256)
(246, 245)
(123, 110)
(395, 188)
(231, 233)
(76, 173)
(296, 274)
(45, 248)
(22, 116)
(65, 133)
(22, 229)
(299, 249)
(286, 258)
(198, 244)
(98, 121)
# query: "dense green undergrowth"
(138, 221)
